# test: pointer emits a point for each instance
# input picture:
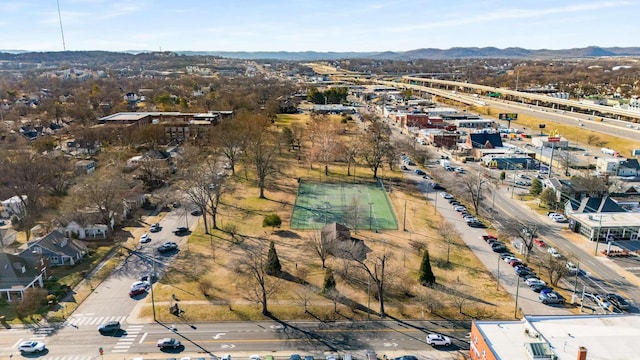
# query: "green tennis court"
(358, 206)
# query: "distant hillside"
(429, 53)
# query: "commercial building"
(570, 337)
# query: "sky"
(311, 25)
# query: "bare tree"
(320, 246)
(375, 145)
(566, 159)
(448, 233)
(26, 176)
(252, 263)
(472, 187)
(524, 231)
(231, 138)
(324, 133)
(348, 151)
(304, 296)
(263, 151)
(458, 297)
(104, 193)
(374, 265)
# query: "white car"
(571, 267)
(438, 340)
(557, 217)
(145, 238)
(446, 195)
(140, 285)
(554, 253)
(31, 347)
(534, 281)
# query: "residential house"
(87, 232)
(629, 168)
(157, 158)
(341, 244)
(7, 236)
(57, 248)
(85, 166)
(13, 206)
(19, 273)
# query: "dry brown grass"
(208, 263)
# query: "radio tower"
(64, 47)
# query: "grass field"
(359, 206)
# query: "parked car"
(31, 347)
(437, 186)
(540, 288)
(181, 231)
(155, 228)
(150, 278)
(420, 172)
(295, 357)
(571, 267)
(168, 342)
(145, 238)
(534, 281)
(109, 327)
(557, 217)
(427, 177)
(539, 242)
(459, 208)
(438, 340)
(404, 168)
(136, 292)
(551, 298)
(554, 253)
(522, 272)
(446, 195)
(604, 302)
(498, 248)
(140, 285)
(167, 247)
(196, 212)
(618, 301)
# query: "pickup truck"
(551, 298)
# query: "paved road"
(316, 338)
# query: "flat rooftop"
(605, 337)
(608, 219)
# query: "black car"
(196, 212)
(525, 272)
(437, 186)
(618, 301)
(420, 172)
(181, 231)
(540, 287)
(404, 168)
(167, 247)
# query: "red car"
(137, 291)
(539, 242)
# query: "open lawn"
(207, 278)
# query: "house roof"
(16, 271)
(630, 164)
(57, 243)
(595, 205)
(6, 233)
(480, 140)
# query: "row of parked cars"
(471, 220)
(546, 294)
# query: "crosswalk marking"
(126, 341)
(82, 320)
(69, 357)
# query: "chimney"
(582, 353)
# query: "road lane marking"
(142, 338)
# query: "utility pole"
(153, 302)
(404, 221)
(515, 312)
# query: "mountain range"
(427, 53)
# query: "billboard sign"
(508, 116)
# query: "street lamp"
(515, 312)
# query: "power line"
(64, 46)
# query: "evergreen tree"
(536, 187)
(425, 274)
(503, 175)
(273, 266)
(329, 283)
